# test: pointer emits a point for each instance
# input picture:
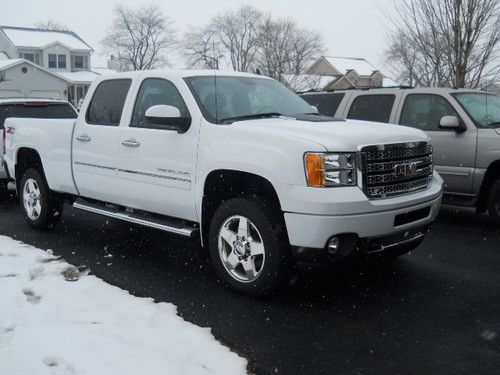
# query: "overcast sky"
(352, 28)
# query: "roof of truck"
(391, 90)
(182, 73)
(30, 100)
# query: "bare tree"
(140, 38)
(286, 48)
(202, 48)
(445, 42)
(239, 35)
(51, 25)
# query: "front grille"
(396, 169)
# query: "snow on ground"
(52, 326)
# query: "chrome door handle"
(83, 138)
(131, 143)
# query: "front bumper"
(314, 231)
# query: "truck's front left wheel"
(42, 207)
(249, 247)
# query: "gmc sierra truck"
(236, 160)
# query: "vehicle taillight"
(8, 130)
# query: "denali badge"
(405, 170)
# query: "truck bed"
(52, 139)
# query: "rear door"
(372, 107)
(157, 164)
(96, 142)
(454, 153)
(327, 103)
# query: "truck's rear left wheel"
(42, 207)
(249, 247)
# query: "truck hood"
(347, 135)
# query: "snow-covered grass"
(52, 326)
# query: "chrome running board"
(176, 226)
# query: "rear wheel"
(42, 207)
(494, 201)
(249, 247)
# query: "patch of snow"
(51, 326)
(25, 37)
(344, 64)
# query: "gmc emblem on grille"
(405, 170)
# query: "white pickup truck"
(236, 159)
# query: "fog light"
(333, 245)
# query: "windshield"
(36, 110)
(240, 97)
(483, 108)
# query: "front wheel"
(42, 207)
(249, 247)
(494, 201)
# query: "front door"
(96, 142)
(157, 163)
(454, 152)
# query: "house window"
(30, 56)
(80, 62)
(52, 60)
(61, 61)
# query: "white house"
(329, 72)
(58, 54)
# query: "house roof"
(7, 64)
(306, 82)
(38, 38)
(82, 77)
(345, 64)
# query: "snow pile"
(52, 326)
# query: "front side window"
(156, 91)
(484, 109)
(425, 111)
(327, 104)
(240, 97)
(372, 108)
(107, 103)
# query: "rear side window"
(372, 108)
(327, 104)
(106, 106)
(36, 110)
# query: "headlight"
(330, 169)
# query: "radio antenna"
(215, 67)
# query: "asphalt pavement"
(434, 311)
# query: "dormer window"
(57, 61)
(80, 62)
(30, 56)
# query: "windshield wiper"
(494, 124)
(229, 120)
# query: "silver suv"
(464, 126)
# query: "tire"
(257, 263)
(494, 202)
(42, 207)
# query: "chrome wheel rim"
(241, 249)
(31, 199)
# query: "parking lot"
(433, 311)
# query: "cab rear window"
(36, 110)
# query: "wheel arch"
(223, 184)
(26, 158)
(491, 175)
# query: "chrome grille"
(396, 169)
